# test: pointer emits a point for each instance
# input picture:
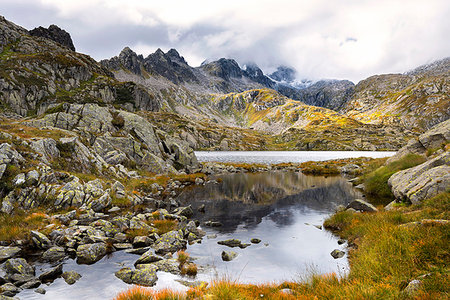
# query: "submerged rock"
(230, 243)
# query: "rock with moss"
(91, 253)
(18, 266)
(52, 274)
(54, 254)
(229, 255)
(145, 276)
(40, 240)
(8, 252)
(70, 277)
(170, 242)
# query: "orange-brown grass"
(141, 293)
(164, 226)
(189, 269)
(18, 224)
(132, 233)
(182, 257)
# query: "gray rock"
(71, 277)
(8, 252)
(147, 258)
(145, 276)
(9, 290)
(101, 203)
(412, 287)
(19, 179)
(32, 178)
(184, 211)
(230, 243)
(171, 265)
(54, 254)
(170, 242)
(423, 181)
(141, 241)
(47, 148)
(228, 255)
(34, 283)
(255, 241)
(336, 253)
(52, 274)
(41, 291)
(91, 253)
(361, 205)
(18, 266)
(138, 251)
(40, 240)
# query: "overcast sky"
(345, 39)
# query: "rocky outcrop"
(423, 181)
(430, 178)
(56, 34)
(332, 94)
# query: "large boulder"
(144, 276)
(423, 181)
(170, 242)
(47, 148)
(91, 253)
(18, 266)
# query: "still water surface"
(276, 157)
(280, 208)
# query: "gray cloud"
(321, 39)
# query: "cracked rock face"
(56, 34)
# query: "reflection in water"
(278, 208)
(244, 199)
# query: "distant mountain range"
(221, 105)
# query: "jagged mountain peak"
(54, 33)
(224, 68)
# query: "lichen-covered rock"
(423, 181)
(40, 240)
(229, 255)
(18, 266)
(144, 276)
(91, 253)
(171, 265)
(47, 148)
(70, 277)
(8, 252)
(147, 258)
(101, 203)
(170, 242)
(54, 254)
(9, 290)
(52, 274)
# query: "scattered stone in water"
(145, 276)
(255, 241)
(40, 291)
(71, 277)
(202, 208)
(266, 244)
(243, 246)
(336, 253)
(211, 236)
(213, 224)
(52, 274)
(230, 243)
(147, 258)
(228, 255)
(341, 241)
(318, 227)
